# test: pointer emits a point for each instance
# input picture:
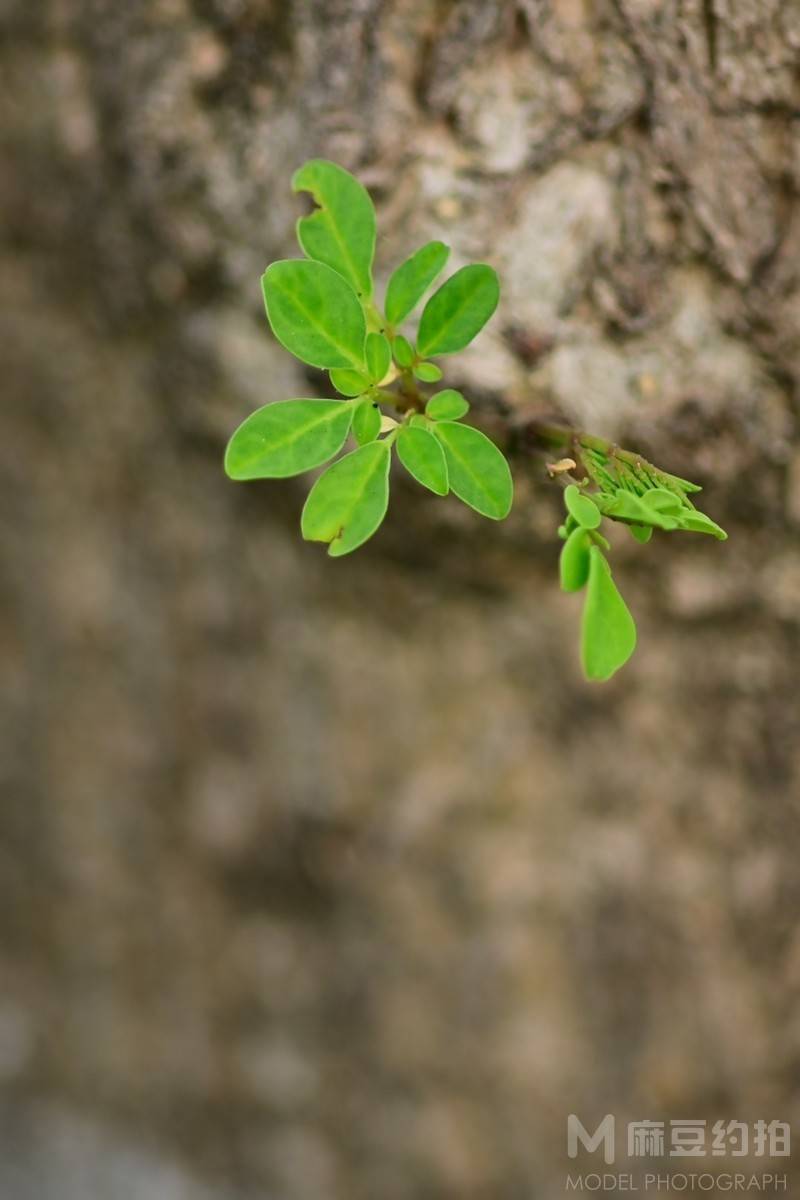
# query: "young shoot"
(323, 309)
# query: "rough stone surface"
(333, 880)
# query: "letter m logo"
(591, 1141)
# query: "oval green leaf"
(448, 405)
(348, 502)
(641, 533)
(478, 473)
(423, 457)
(458, 310)
(573, 562)
(349, 383)
(403, 351)
(341, 232)
(378, 355)
(608, 632)
(287, 438)
(581, 508)
(314, 313)
(366, 422)
(662, 500)
(412, 278)
(428, 372)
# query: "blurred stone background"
(327, 880)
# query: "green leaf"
(349, 383)
(341, 232)
(348, 502)
(314, 313)
(412, 279)
(287, 438)
(423, 457)
(366, 422)
(642, 533)
(608, 633)
(662, 500)
(458, 310)
(379, 356)
(403, 351)
(448, 405)
(697, 522)
(573, 562)
(581, 508)
(478, 473)
(627, 507)
(428, 372)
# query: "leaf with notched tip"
(349, 501)
(341, 231)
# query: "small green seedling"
(322, 309)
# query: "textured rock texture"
(333, 880)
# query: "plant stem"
(408, 395)
(549, 436)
